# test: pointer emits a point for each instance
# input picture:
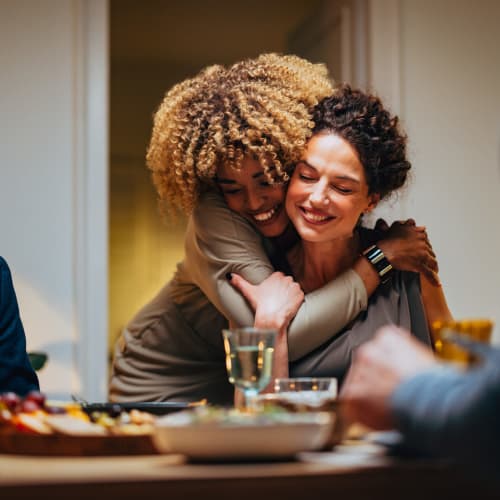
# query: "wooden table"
(351, 471)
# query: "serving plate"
(229, 436)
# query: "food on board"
(33, 414)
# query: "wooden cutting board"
(67, 445)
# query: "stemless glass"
(312, 393)
(249, 359)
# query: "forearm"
(219, 242)
(434, 300)
(368, 275)
(325, 312)
(323, 316)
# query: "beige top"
(172, 349)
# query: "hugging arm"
(219, 242)
(406, 243)
(407, 247)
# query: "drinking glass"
(309, 392)
(477, 329)
(249, 359)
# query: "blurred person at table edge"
(16, 372)
(355, 157)
(236, 133)
(395, 382)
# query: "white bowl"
(243, 436)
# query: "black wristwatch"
(379, 261)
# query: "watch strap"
(379, 261)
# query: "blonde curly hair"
(259, 107)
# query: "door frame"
(91, 129)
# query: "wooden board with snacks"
(68, 445)
(31, 425)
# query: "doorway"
(153, 45)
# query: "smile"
(265, 216)
(314, 217)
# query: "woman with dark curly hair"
(251, 120)
(355, 158)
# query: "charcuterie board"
(31, 425)
(67, 445)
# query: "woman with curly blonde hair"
(235, 134)
(259, 107)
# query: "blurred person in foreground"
(395, 382)
(16, 372)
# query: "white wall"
(440, 66)
(53, 185)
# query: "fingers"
(431, 276)
(381, 225)
(407, 222)
(427, 265)
(431, 251)
(425, 258)
(431, 262)
(433, 259)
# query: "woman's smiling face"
(328, 191)
(248, 192)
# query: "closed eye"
(306, 178)
(342, 190)
(231, 191)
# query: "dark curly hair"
(361, 119)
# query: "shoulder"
(7, 293)
(4, 267)
(213, 218)
(210, 204)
